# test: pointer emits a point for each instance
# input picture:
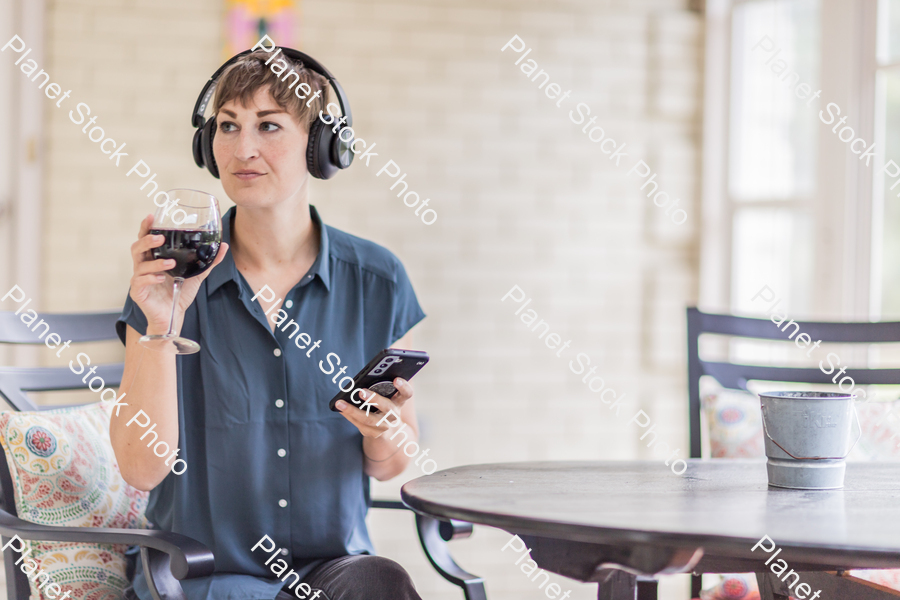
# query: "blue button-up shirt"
(265, 455)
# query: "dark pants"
(360, 577)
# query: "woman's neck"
(274, 238)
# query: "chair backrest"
(736, 376)
(77, 328)
(16, 381)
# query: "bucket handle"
(858, 426)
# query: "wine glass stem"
(176, 292)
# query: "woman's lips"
(247, 175)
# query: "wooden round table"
(613, 522)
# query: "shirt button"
(277, 351)
(279, 403)
(284, 551)
(282, 452)
(289, 303)
(282, 503)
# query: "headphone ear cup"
(341, 151)
(195, 148)
(207, 133)
(318, 151)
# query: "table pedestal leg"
(768, 584)
(648, 589)
(617, 585)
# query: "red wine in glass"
(193, 250)
(192, 227)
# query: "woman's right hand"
(151, 287)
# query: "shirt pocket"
(311, 385)
(235, 391)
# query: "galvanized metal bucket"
(808, 438)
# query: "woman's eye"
(227, 126)
(269, 126)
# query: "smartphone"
(380, 373)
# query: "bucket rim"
(808, 395)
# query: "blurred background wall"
(523, 199)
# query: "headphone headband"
(209, 89)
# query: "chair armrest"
(449, 530)
(433, 535)
(438, 554)
(188, 558)
(391, 504)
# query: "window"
(886, 243)
(786, 203)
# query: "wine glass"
(191, 224)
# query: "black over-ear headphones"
(326, 151)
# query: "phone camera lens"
(378, 371)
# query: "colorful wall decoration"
(248, 20)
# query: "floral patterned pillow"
(734, 421)
(64, 473)
(731, 586)
(888, 578)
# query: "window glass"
(889, 88)
(889, 31)
(772, 247)
(773, 250)
(775, 52)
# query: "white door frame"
(21, 156)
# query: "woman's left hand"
(374, 424)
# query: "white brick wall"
(522, 196)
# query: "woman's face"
(261, 152)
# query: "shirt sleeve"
(131, 315)
(406, 310)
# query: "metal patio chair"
(735, 376)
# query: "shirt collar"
(227, 271)
(322, 266)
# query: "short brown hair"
(245, 76)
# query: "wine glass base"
(169, 344)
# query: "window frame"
(844, 208)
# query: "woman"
(265, 455)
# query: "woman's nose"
(247, 146)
